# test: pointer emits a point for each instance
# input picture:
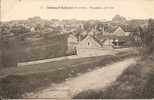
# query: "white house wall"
(89, 47)
(89, 42)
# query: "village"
(89, 46)
(57, 59)
(95, 45)
(51, 39)
(61, 52)
(68, 49)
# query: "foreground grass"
(136, 82)
(15, 85)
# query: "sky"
(23, 9)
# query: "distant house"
(89, 46)
(105, 40)
(120, 37)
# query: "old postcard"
(76, 49)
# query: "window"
(88, 43)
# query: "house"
(89, 46)
(120, 37)
(105, 40)
(93, 45)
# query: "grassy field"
(36, 77)
(136, 82)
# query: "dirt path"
(92, 80)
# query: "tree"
(118, 18)
(147, 37)
(8, 48)
(136, 38)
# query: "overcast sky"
(13, 9)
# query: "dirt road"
(92, 80)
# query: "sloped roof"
(93, 39)
(98, 41)
(119, 32)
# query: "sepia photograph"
(76, 49)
